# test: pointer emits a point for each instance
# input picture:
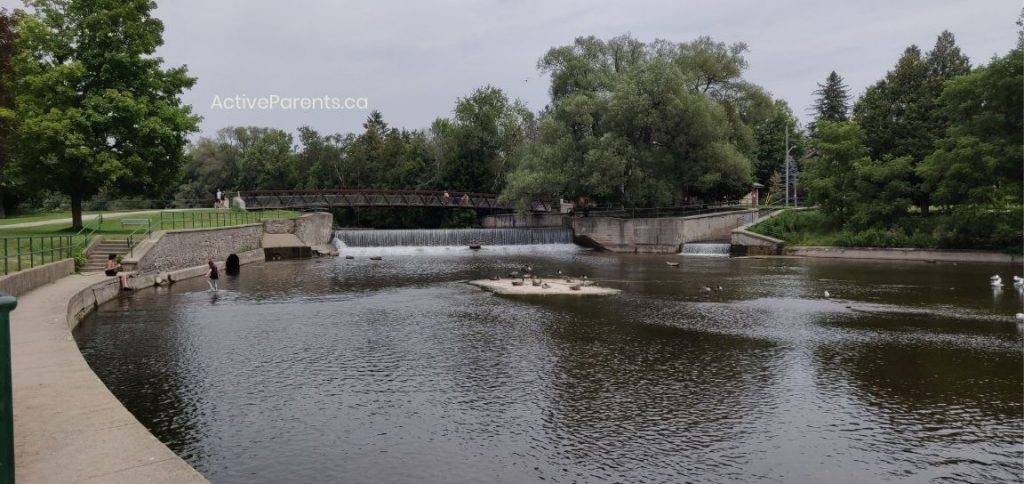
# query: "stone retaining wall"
(26, 280)
(657, 235)
(171, 250)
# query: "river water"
(335, 370)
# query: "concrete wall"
(745, 242)
(657, 235)
(530, 220)
(26, 280)
(929, 255)
(312, 228)
(167, 251)
(315, 228)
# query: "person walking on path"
(212, 275)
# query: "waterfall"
(707, 250)
(453, 237)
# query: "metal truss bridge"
(357, 198)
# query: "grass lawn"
(33, 246)
(36, 217)
(113, 228)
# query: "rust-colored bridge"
(356, 198)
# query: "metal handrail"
(7, 304)
(147, 231)
(60, 247)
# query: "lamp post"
(788, 160)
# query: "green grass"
(35, 217)
(998, 230)
(43, 239)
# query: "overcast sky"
(412, 59)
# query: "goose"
(517, 283)
(376, 257)
(673, 264)
(827, 294)
(996, 281)
(350, 257)
(1020, 316)
(545, 286)
(705, 289)
(576, 287)
(1018, 281)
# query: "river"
(335, 370)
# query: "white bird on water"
(1020, 316)
(996, 280)
(1018, 281)
(827, 294)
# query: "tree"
(770, 138)
(642, 124)
(901, 115)
(8, 39)
(979, 160)
(96, 108)
(833, 102)
(482, 136)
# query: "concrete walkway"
(68, 427)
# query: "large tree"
(96, 107)
(7, 117)
(833, 99)
(901, 115)
(979, 161)
(642, 124)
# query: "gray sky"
(412, 59)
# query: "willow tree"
(97, 109)
(642, 124)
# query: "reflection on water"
(396, 371)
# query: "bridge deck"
(292, 199)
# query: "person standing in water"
(212, 275)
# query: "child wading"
(212, 276)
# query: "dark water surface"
(396, 371)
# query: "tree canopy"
(96, 108)
(643, 124)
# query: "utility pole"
(786, 161)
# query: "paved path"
(68, 427)
(85, 218)
(90, 217)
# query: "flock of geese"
(519, 279)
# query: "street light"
(788, 160)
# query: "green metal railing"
(27, 252)
(7, 304)
(200, 220)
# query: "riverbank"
(68, 427)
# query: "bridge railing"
(655, 212)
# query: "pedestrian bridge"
(357, 198)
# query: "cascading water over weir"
(452, 237)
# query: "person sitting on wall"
(114, 269)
